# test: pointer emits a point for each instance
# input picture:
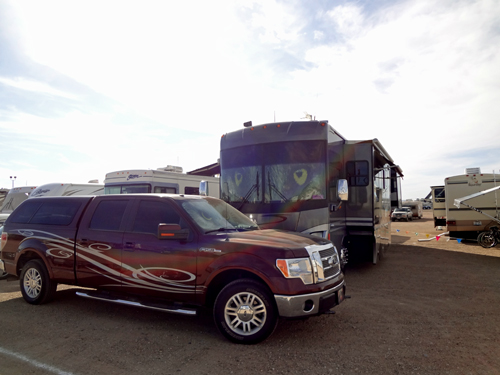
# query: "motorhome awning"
(209, 170)
(478, 194)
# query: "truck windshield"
(213, 215)
(274, 172)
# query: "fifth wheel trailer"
(462, 221)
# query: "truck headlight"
(296, 268)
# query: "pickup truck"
(174, 253)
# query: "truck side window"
(108, 215)
(25, 211)
(56, 213)
(151, 213)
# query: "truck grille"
(325, 260)
(331, 264)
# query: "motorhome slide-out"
(288, 176)
(462, 221)
(169, 180)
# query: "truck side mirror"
(172, 232)
(204, 188)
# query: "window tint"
(56, 213)
(108, 215)
(164, 190)
(192, 190)
(357, 173)
(152, 213)
(25, 211)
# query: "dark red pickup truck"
(175, 253)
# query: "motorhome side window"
(108, 215)
(151, 213)
(192, 190)
(357, 173)
(164, 190)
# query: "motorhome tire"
(245, 312)
(36, 285)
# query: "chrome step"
(144, 304)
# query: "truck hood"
(275, 238)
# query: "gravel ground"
(429, 307)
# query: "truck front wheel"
(36, 286)
(245, 312)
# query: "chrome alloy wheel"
(245, 313)
(32, 282)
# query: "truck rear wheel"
(36, 286)
(245, 312)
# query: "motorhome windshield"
(127, 189)
(274, 172)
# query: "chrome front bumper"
(310, 304)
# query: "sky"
(91, 87)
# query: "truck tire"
(36, 285)
(245, 312)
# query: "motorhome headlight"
(296, 268)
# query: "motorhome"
(462, 221)
(438, 206)
(14, 198)
(416, 208)
(67, 189)
(288, 176)
(168, 180)
(3, 194)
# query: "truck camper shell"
(14, 198)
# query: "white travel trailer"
(462, 221)
(67, 189)
(169, 180)
(14, 198)
(416, 208)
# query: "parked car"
(403, 213)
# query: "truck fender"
(243, 262)
(34, 246)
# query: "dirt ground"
(429, 307)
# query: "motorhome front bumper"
(310, 304)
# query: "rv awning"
(478, 194)
(209, 170)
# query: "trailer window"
(165, 190)
(358, 173)
(192, 190)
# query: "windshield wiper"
(245, 228)
(276, 190)
(222, 229)
(255, 187)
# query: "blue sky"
(91, 87)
